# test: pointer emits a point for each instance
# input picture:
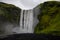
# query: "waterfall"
(26, 21)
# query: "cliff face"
(49, 18)
(9, 12)
(9, 15)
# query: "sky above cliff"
(24, 4)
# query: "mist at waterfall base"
(13, 28)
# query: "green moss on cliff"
(49, 18)
(9, 12)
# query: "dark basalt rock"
(31, 37)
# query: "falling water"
(26, 21)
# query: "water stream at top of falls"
(26, 21)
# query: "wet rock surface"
(31, 37)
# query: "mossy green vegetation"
(9, 12)
(49, 18)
